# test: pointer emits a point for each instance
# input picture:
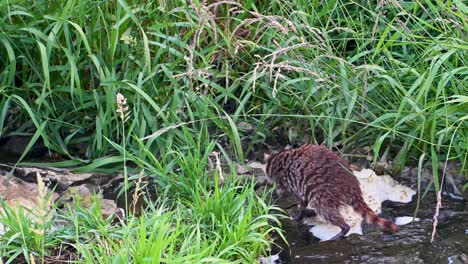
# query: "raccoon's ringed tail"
(373, 219)
(381, 222)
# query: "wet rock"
(383, 187)
(85, 195)
(458, 259)
(404, 220)
(394, 260)
(453, 180)
(252, 170)
(17, 193)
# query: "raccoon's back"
(305, 170)
(320, 162)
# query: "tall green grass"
(391, 76)
(181, 234)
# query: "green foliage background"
(388, 75)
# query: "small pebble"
(403, 220)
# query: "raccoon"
(321, 180)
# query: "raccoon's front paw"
(281, 192)
(300, 213)
(297, 213)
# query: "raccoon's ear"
(266, 157)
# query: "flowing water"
(412, 244)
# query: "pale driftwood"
(59, 178)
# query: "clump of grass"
(194, 219)
(208, 219)
(28, 232)
(179, 233)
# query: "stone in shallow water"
(273, 259)
(375, 190)
(453, 180)
(458, 259)
(394, 260)
(404, 220)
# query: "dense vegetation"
(224, 76)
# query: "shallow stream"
(412, 244)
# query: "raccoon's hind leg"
(332, 215)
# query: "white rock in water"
(404, 220)
(249, 167)
(383, 188)
(324, 231)
(375, 190)
(269, 260)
